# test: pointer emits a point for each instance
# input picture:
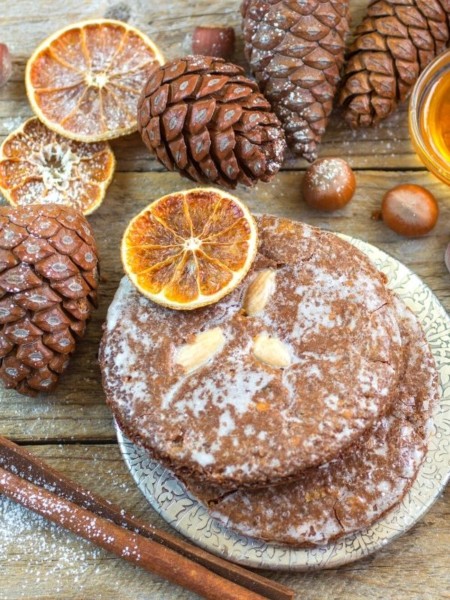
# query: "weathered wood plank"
(37, 556)
(29, 22)
(77, 410)
(25, 24)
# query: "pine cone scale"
(12, 236)
(411, 17)
(18, 279)
(380, 9)
(302, 8)
(423, 41)
(7, 260)
(34, 354)
(5, 346)
(10, 311)
(402, 50)
(433, 10)
(439, 31)
(383, 86)
(184, 87)
(43, 229)
(372, 40)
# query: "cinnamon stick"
(123, 543)
(37, 471)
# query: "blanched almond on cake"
(259, 292)
(271, 351)
(205, 346)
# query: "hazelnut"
(329, 184)
(447, 257)
(5, 64)
(213, 41)
(410, 210)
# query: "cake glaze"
(236, 419)
(355, 489)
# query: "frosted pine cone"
(393, 44)
(48, 283)
(296, 50)
(202, 117)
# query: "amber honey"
(429, 117)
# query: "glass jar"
(429, 117)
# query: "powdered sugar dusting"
(328, 174)
(50, 169)
(41, 538)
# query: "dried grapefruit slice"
(39, 166)
(189, 249)
(84, 81)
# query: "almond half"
(203, 348)
(271, 351)
(259, 291)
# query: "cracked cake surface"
(279, 376)
(358, 487)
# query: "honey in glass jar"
(429, 117)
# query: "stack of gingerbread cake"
(298, 408)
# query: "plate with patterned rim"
(168, 496)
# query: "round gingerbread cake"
(356, 488)
(279, 376)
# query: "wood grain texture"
(39, 561)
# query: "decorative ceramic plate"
(182, 511)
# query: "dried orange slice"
(189, 249)
(39, 166)
(85, 80)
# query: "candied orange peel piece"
(190, 248)
(84, 81)
(39, 166)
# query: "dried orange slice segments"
(85, 80)
(189, 249)
(39, 166)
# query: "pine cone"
(48, 283)
(296, 50)
(205, 119)
(393, 44)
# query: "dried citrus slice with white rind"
(190, 248)
(39, 166)
(84, 81)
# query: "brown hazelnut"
(5, 64)
(410, 210)
(447, 257)
(328, 184)
(214, 41)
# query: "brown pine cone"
(48, 288)
(204, 118)
(393, 44)
(296, 50)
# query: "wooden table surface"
(72, 429)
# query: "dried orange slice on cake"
(85, 80)
(189, 249)
(39, 166)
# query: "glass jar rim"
(420, 94)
